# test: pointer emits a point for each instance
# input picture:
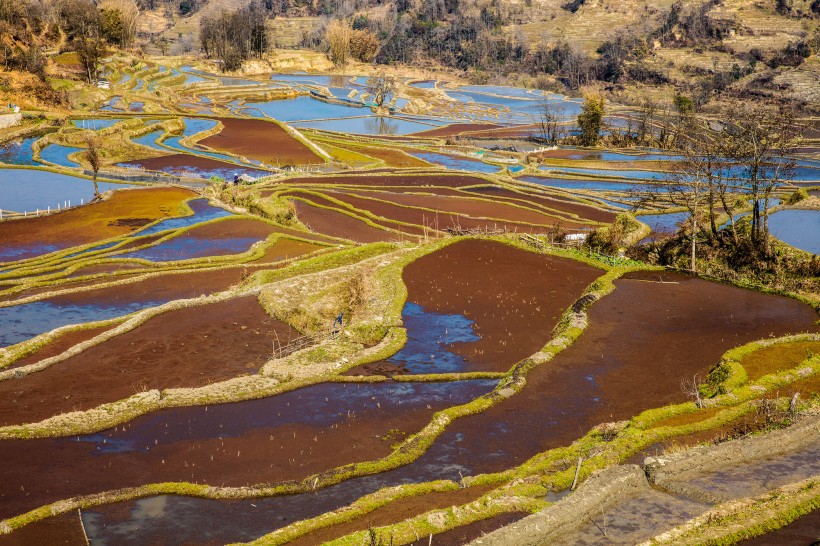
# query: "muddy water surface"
(513, 298)
(288, 436)
(188, 347)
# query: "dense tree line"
(87, 25)
(237, 36)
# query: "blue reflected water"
(429, 339)
(22, 322)
(187, 246)
(666, 224)
(611, 173)
(302, 108)
(30, 189)
(58, 154)
(95, 123)
(203, 212)
(18, 152)
(579, 184)
(460, 163)
(798, 228)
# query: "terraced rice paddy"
(359, 335)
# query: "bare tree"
(550, 116)
(689, 186)
(759, 139)
(382, 87)
(92, 155)
(691, 388)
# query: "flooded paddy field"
(230, 236)
(124, 212)
(264, 141)
(194, 166)
(206, 350)
(29, 190)
(288, 436)
(384, 325)
(478, 306)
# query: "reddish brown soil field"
(322, 201)
(471, 207)
(435, 219)
(565, 205)
(179, 163)
(168, 287)
(232, 227)
(337, 224)
(642, 340)
(515, 298)
(60, 345)
(123, 213)
(262, 140)
(183, 348)
(64, 529)
(778, 358)
(369, 179)
(284, 437)
(467, 533)
(285, 249)
(456, 129)
(395, 512)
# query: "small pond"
(798, 228)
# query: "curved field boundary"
(528, 482)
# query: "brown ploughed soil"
(172, 286)
(474, 208)
(370, 179)
(515, 298)
(777, 358)
(95, 221)
(62, 530)
(232, 227)
(325, 202)
(58, 346)
(188, 347)
(269, 440)
(179, 163)
(262, 140)
(285, 249)
(337, 224)
(583, 211)
(395, 512)
(642, 340)
(434, 219)
(456, 129)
